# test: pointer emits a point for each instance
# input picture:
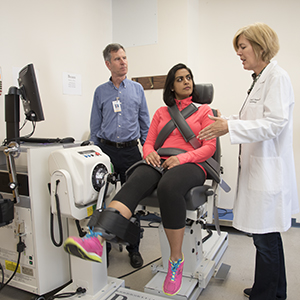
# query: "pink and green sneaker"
(172, 283)
(88, 248)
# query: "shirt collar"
(184, 102)
(123, 83)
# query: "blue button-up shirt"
(131, 123)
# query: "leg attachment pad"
(114, 227)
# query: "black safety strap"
(187, 133)
(175, 151)
(114, 227)
(170, 126)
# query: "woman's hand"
(171, 162)
(153, 159)
(214, 130)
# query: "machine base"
(189, 289)
(114, 289)
(109, 289)
(192, 286)
(127, 294)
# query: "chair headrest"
(206, 92)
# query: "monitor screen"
(30, 94)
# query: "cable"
(80, 290)
(5, 141)
(24, 123)
(33, 129)
(209, 231)
(57, 244)
(226, 212)
(20, 248)
(144, 266)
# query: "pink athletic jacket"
(196, 121)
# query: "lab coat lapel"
(254, 93)
(257, 89)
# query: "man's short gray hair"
(111, 48)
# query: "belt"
(120, 145)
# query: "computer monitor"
(28, 89)
(30, 94)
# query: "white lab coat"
(266, 194)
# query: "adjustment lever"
(12, 151)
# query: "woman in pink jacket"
(173, 176)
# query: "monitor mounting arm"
(12, 114)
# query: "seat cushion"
(195, 197)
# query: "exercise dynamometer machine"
(82, 174)
(72, 168)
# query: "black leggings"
(172, 186)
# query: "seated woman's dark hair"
(169, 94)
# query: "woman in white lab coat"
(266, 194)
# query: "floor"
(240, 255)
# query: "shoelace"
(91, 234)
(174, 267)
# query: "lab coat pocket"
(266, 174)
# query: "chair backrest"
(206, 92)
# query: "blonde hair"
(262, 38)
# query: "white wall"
(69, 36)
(56, 36)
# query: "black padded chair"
(201, 254)
(199, 196)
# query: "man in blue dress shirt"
(120, 118)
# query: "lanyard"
(255, 78)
